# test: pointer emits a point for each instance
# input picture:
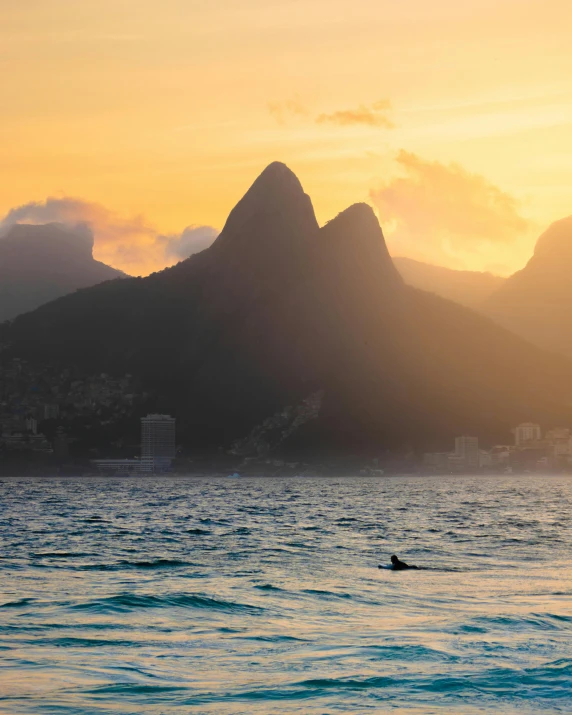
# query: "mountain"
(280, 315)
(41, 263)
(536, 302)
(470, 288)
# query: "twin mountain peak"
(275, 222)
(278, 309)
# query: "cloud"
(282, 111)
(193, 239)
(374, 115)
(442, 212)
(131, 244)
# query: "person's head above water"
(394, 559)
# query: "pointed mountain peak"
(275, 185)
(278, 175)
(273, 210)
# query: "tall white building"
(157, 442)
(526, 432)
(467, 451)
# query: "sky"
(452, 118)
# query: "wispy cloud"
(438, 211)
(370, 115)
(374, 115)
(281, 111)
(129, 243)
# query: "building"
(158, 441)
(32, 425)
(51, 412)
(559, 442)
(526, 432)
(501, 456)
(467, 451)
(466, 456)
(485, 459)
(438, 461)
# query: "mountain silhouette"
(41, 263)
(536, 302)
(470, 288)
(278, 309)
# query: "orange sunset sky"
(453, 118)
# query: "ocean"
(251, 595)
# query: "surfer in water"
(397, 565)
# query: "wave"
(20, 603)
(125, 564)
(377, 681)
(331, 594)
(153, 564)
(216, 522)
(199, 532)
(276, 639)
(128, 602)
(268, 587)
(95, 520)
(135, 689)
(543, 622)
(551, 681)
(60, 554)
(79, 642)
(408, 652)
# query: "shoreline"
(218, 475)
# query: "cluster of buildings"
(38, 405)
(268, 435)
(158, 449)
(531, 451)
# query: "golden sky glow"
(164, 112)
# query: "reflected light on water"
(264, 596)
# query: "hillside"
(470, 288)
(279, 309)
(536, 302)
(41, 263)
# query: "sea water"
(182, 595)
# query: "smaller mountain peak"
(358, 213)
(355, 237)
(357, 223)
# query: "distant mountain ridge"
(536, 302)
(469, 288)
(279, 309)
(41, 263)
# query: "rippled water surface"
(263, 595)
